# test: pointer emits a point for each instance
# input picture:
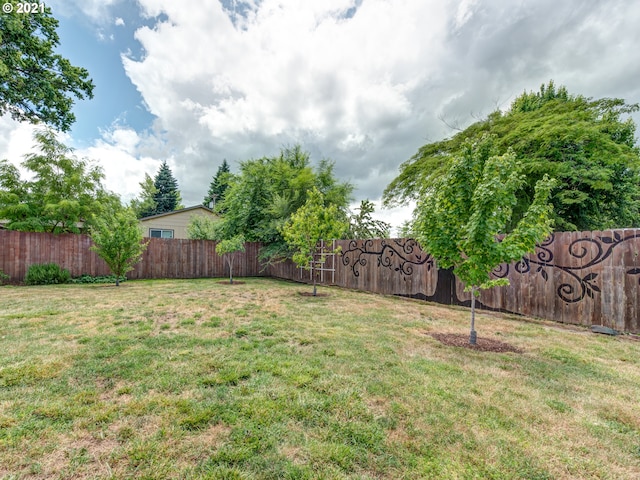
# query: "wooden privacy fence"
(163, 258)
(587, 278)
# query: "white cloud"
(97, 10)
(365, 89)
(104, 37)
(464, 12)
(287, 73)
(286, 69)
(120, 153)
(16, 140)
(119, 22)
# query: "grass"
(193, 379)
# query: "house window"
(160, 233)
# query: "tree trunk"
(230, 262)
(473, 336)
(313, 274)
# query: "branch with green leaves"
(36, 84)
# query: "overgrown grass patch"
(191, 379)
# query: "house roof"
(195, 207)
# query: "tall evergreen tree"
(167, 195)
(219, 185)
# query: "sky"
(364, 83)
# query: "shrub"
(3, 277)
(86, 278)
(46, 274)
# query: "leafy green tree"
(167, 196)
(117, 238)
(229, 249)
(267, 191)
(62, 195)
(219, 185)
(36, 84)
(201, 227)
(459, 221)
(363, 225)
(312, 222)
(406, 229)
(145, 204)
(586, 145)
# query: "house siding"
(177, 222)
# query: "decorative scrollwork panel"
(392, 265)
(576, 277)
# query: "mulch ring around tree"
(483, 344)
(226, 282)
(310, 294)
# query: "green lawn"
(194, 379)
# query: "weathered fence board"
(163, 258)
(22, 249)
(588, 278)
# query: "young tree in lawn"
(117, 238)
(307, 226)
(460, 220)
(229, 249)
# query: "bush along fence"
(585, 278)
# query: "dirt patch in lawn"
(231, 284)
(310, 294)
(483, 344)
